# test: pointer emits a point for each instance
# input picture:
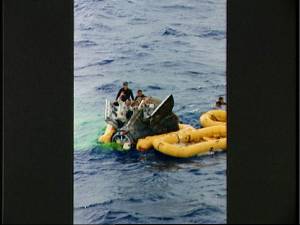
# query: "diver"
(125, 93)
(122, 97)
(221, 104)
(218, 105)
(139, 96)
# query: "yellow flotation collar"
(106, 137)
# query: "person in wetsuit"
(221, 104)
(139, 95)
(125, 93)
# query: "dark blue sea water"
(162, 47)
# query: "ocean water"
(163, 47)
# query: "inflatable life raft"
(188, 141)
(213, 118)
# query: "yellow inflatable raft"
(188, 141)
(192, 143)
(213, 118)
(145, 144)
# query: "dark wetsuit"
(220, 103)
(127, 94)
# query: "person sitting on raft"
(125, 93)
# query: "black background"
(262, 75)
(38, 111)
(262, 118)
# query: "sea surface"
(162, 47)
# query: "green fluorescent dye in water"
(112, 146)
